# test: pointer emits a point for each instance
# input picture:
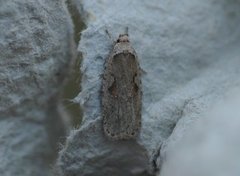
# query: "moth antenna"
(126, 30)
(109, 35)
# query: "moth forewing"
(121, 88)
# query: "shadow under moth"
(121, 92)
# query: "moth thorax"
(123, 38)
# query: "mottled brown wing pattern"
(122, 96)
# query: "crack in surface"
(72, 86)
(154, 163)
(157, 159)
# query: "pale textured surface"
(210, 90)
(36, 46)
(210, 146)
(189, 52)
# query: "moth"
(121, 91)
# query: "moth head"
(122, 38)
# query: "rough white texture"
(36, 48)
(210, 146)
(212, 87)
(188, 50)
